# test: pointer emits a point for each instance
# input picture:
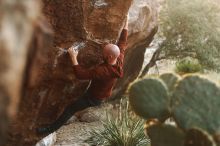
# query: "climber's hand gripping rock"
(73, 54)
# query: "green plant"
(149, 99)
(193, 103)
(125, 129)
(198, 99)
(170, 79)
(168, 135)
(198, 137)
(191, 28)
(188, 65)
(165, 135)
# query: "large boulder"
(50, 84)
(16, 29)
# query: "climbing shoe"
(43, 130)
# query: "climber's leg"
(82, 103)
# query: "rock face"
(16, 29)
(50, 84)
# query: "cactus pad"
(149, 99)
(170, 79)
(196, 102)
(165, 135)
(198, 137)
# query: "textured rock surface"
(48, 141)
(50, 83)
(76, 133)
(16, 29)
(94, 114)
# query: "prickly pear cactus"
(170, 79)
(198, 137)
(168, 135)
(165, 135)
(196, 103)
(149, 99)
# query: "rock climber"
(103, 79)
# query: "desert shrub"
(191, 28)
(188, 65)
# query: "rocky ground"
(76, 130)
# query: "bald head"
(111, 53)
(111, 49)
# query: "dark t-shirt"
(104, 76)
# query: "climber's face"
(111, 53)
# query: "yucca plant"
(125, 129)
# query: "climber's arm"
(122, 42)
(84, 73)
(126, 22)
(80, 72)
